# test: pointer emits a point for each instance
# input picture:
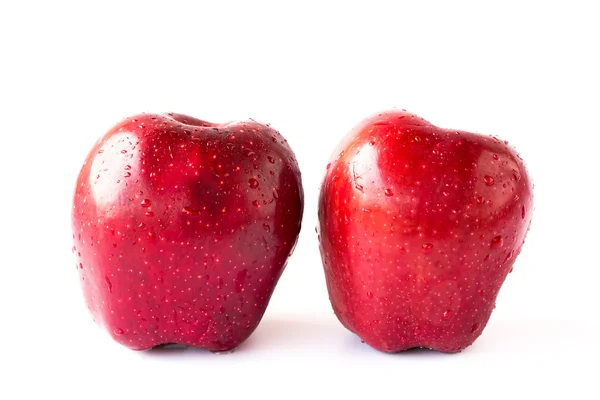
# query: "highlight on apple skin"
(418, 228)
(182, 228)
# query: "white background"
(527, 72)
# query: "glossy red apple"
(419, 227)
(182, 229)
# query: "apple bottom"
(216, 334)
(427, 323)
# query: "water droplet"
(516, 175)
(366, 210)
(80, 266)
(108, 283)
(255, 203)
(495, 156)
(127, 167)
(388, 192)
(508, 256)
(266, 227)
(190, 211)
(275, 194)
(481, 292)
(127, 174)
(402, 250)
(146, 203)
(149, 214)
(447, 314)
(497, 242)
(427, 247)
(359, 187)
(445, 194)
(523, 212)
(119, 331)
(253, 183)
(475, 327)
(480, 200)
(489, 181)
(100, 151)
(239, 280)
(271, 159)
(417, 139)
(436, 152)
(328, 166)
(123, 151)
(370, 295)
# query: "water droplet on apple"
(127, 167)
(127, 174)
(108, 283)
(427, 247)
(475, 327)
(481, 292)
(123, 151)
(508, 256)
(328, 166)
(516, 175)
(388, 192)
(192, 212)
(239, 280)
(495, 156)
(146, 203)
(417, 139)
(480, 200)
(255, 203)
(80, 266)
(149, 214)
(445, 194)
(253, 183)
(523, 212)
(447, 314)
(370, 295)
(119, 331)
(266, 227)
(271, 159)
(489, 181)
(497, 242)
(359, 187)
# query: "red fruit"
(182, 229)
(419, 227)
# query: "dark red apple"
(419, 227)
(182, 229)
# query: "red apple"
(419, 227)
(182, 229)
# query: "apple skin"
(182, 229)
(418, 228)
